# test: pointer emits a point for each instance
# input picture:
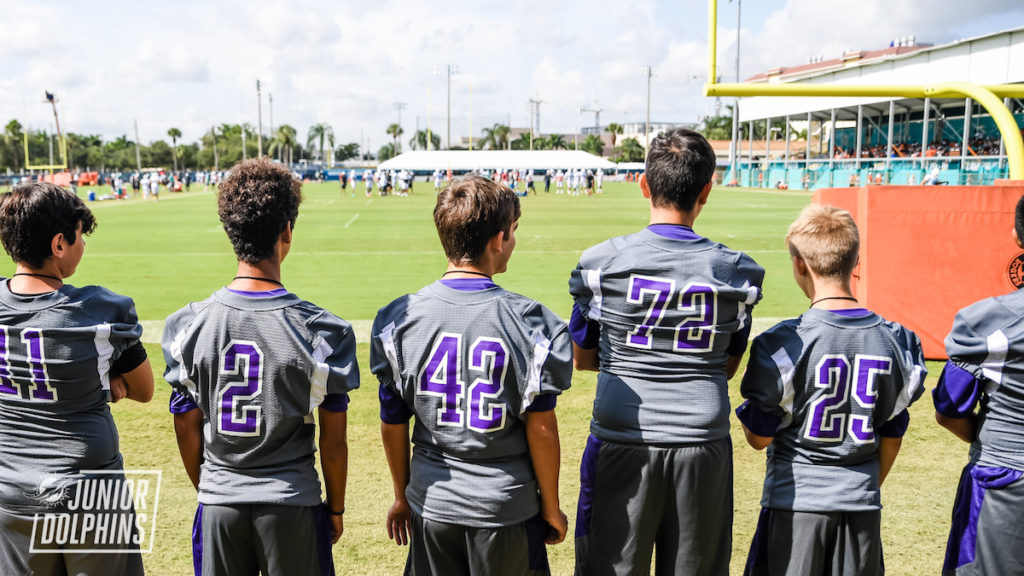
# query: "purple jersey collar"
(468, 284)
(674, 231)
(259, 294)
(852, 312)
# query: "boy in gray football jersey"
(249, 365)
(65, 352)
(664, 315)
(980, 399)
(480, 369)
(827, 393)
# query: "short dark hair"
(680, 163)
(1018, 220)
(255, 203)
(31, 214)
(469, 212)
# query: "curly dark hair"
(31, 214)
(255, 203)
(679, 164)
(469, 212)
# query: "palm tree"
(419, 140)
(395, 131)
(614, 129)
(284, 141)
(717, 127)
(495, 137)
(386, 151)
(174, 133)
(318, 133)
(593, 144)
(556, 142)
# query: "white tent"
(461, 160)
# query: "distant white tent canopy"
(462, 160)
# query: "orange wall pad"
(928, 251)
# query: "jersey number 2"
(39, 389)
(698, 302)
(239, 414)
(442, 377)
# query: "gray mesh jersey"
(987, 340)
(56, 350)
(667, 309)
(258, 368)
(468, 364)
(833, 381)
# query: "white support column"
(860, 132)
(786, 159)
(832, 148)
(966, 140)
(888, 144)
(924, 130)
(1002, 142)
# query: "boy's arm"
(964, 428)
(138, 382)
(585, 358)
(888, 448)
(334, 462)
(188, 428)
(545, 453)
(732, 364)
(396, 447)
(756, 441)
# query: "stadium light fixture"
(647, 71)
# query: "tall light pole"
(534, 118)
(448, 70)
(271, 98)
(399, 106)
(259, 116)
(647, 71)
(734, 147)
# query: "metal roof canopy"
(491, 159)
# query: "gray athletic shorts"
(637, 500)
(987, 532)
(271, 539)
(440, 549)
(16, 560)
(788, 543)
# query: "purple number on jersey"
(441, 377)
(694, 334)
(490, 357)
(239, 417)
(40, 389)
(828, 413)
(661, 291)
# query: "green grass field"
(352, 255)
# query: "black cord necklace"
(61, 280)
(850, 298)
(261, 279)
(474, 272)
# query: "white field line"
(351, 220)
(152, 329)
(368, 201)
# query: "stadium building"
(819, 142)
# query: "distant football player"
(664, 315)
(479, 368)
(827, 394)
(65, 352)
(980, 399)
(249, 366)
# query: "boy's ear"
(1017, 239)
(286, 234)
(58, 245)
(704, 193)
(644, 188)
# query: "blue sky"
(191, 64)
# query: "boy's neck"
(26, 280)
(662, 215)
(828, 295)
(475, 270)
(261, 276)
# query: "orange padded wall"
(928, 251)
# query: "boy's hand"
(337, 527)
(398, 522)
(558, 525)
(118, 389)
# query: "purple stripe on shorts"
(588, 478)
(674, 231)
(963, 534)
(322, 527)
(197, 541)
(758, 555)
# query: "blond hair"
(826, 238)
